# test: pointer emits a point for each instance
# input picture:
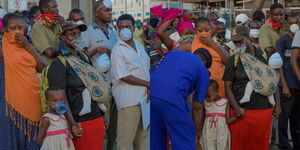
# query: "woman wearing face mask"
(254, 32)
(23, 104)
(82, 86)
(255, 117)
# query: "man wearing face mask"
(99, 39)
(290, 89)
(274, 28)
(221, 31)
(76, 15)
(45, 32)
(130, 76)
(254, 32)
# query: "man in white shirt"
(130, 76)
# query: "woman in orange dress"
(21, 64)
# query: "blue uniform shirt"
(178, 75)
(283, 47)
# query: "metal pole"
(125, 6)
(143, 10)
(168, 4)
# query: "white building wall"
(133, 7)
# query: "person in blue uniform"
(178, 74)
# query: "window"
(139, 14)
(122, 12)
(113, 13)
(147, 13)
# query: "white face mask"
(80, 22)
(275, 61)
(102, 63)
(294, 28)
(78, 42)
(241, 49)
(254, 33)
(125, 34)
(145, 24)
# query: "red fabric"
(43, 16)
(252, 131)
(93, 135)
(183, 21)
(275, 25)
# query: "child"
(215, 133)
(54, 133)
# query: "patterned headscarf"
(187, 38)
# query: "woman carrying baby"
(251, 131)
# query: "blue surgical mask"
(60, 107)
(139, 24)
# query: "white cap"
(241, 19)
(107, 3)
(222, 20)
(275, 61)
(2, 13)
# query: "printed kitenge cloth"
(263, 78)
(96, 83)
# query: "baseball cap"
(241, 19)
(69, 25)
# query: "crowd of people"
(66, 85)
(213, 87)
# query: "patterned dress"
(215, 133)
(14, 138)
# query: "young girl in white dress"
(215, 133)
(54, 133)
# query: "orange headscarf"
(217, 67)
(21, 84)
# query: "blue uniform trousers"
(169, 120)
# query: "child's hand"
(77, 131)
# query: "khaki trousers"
(130, 130)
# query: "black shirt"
(64, 77)
(238, 76)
